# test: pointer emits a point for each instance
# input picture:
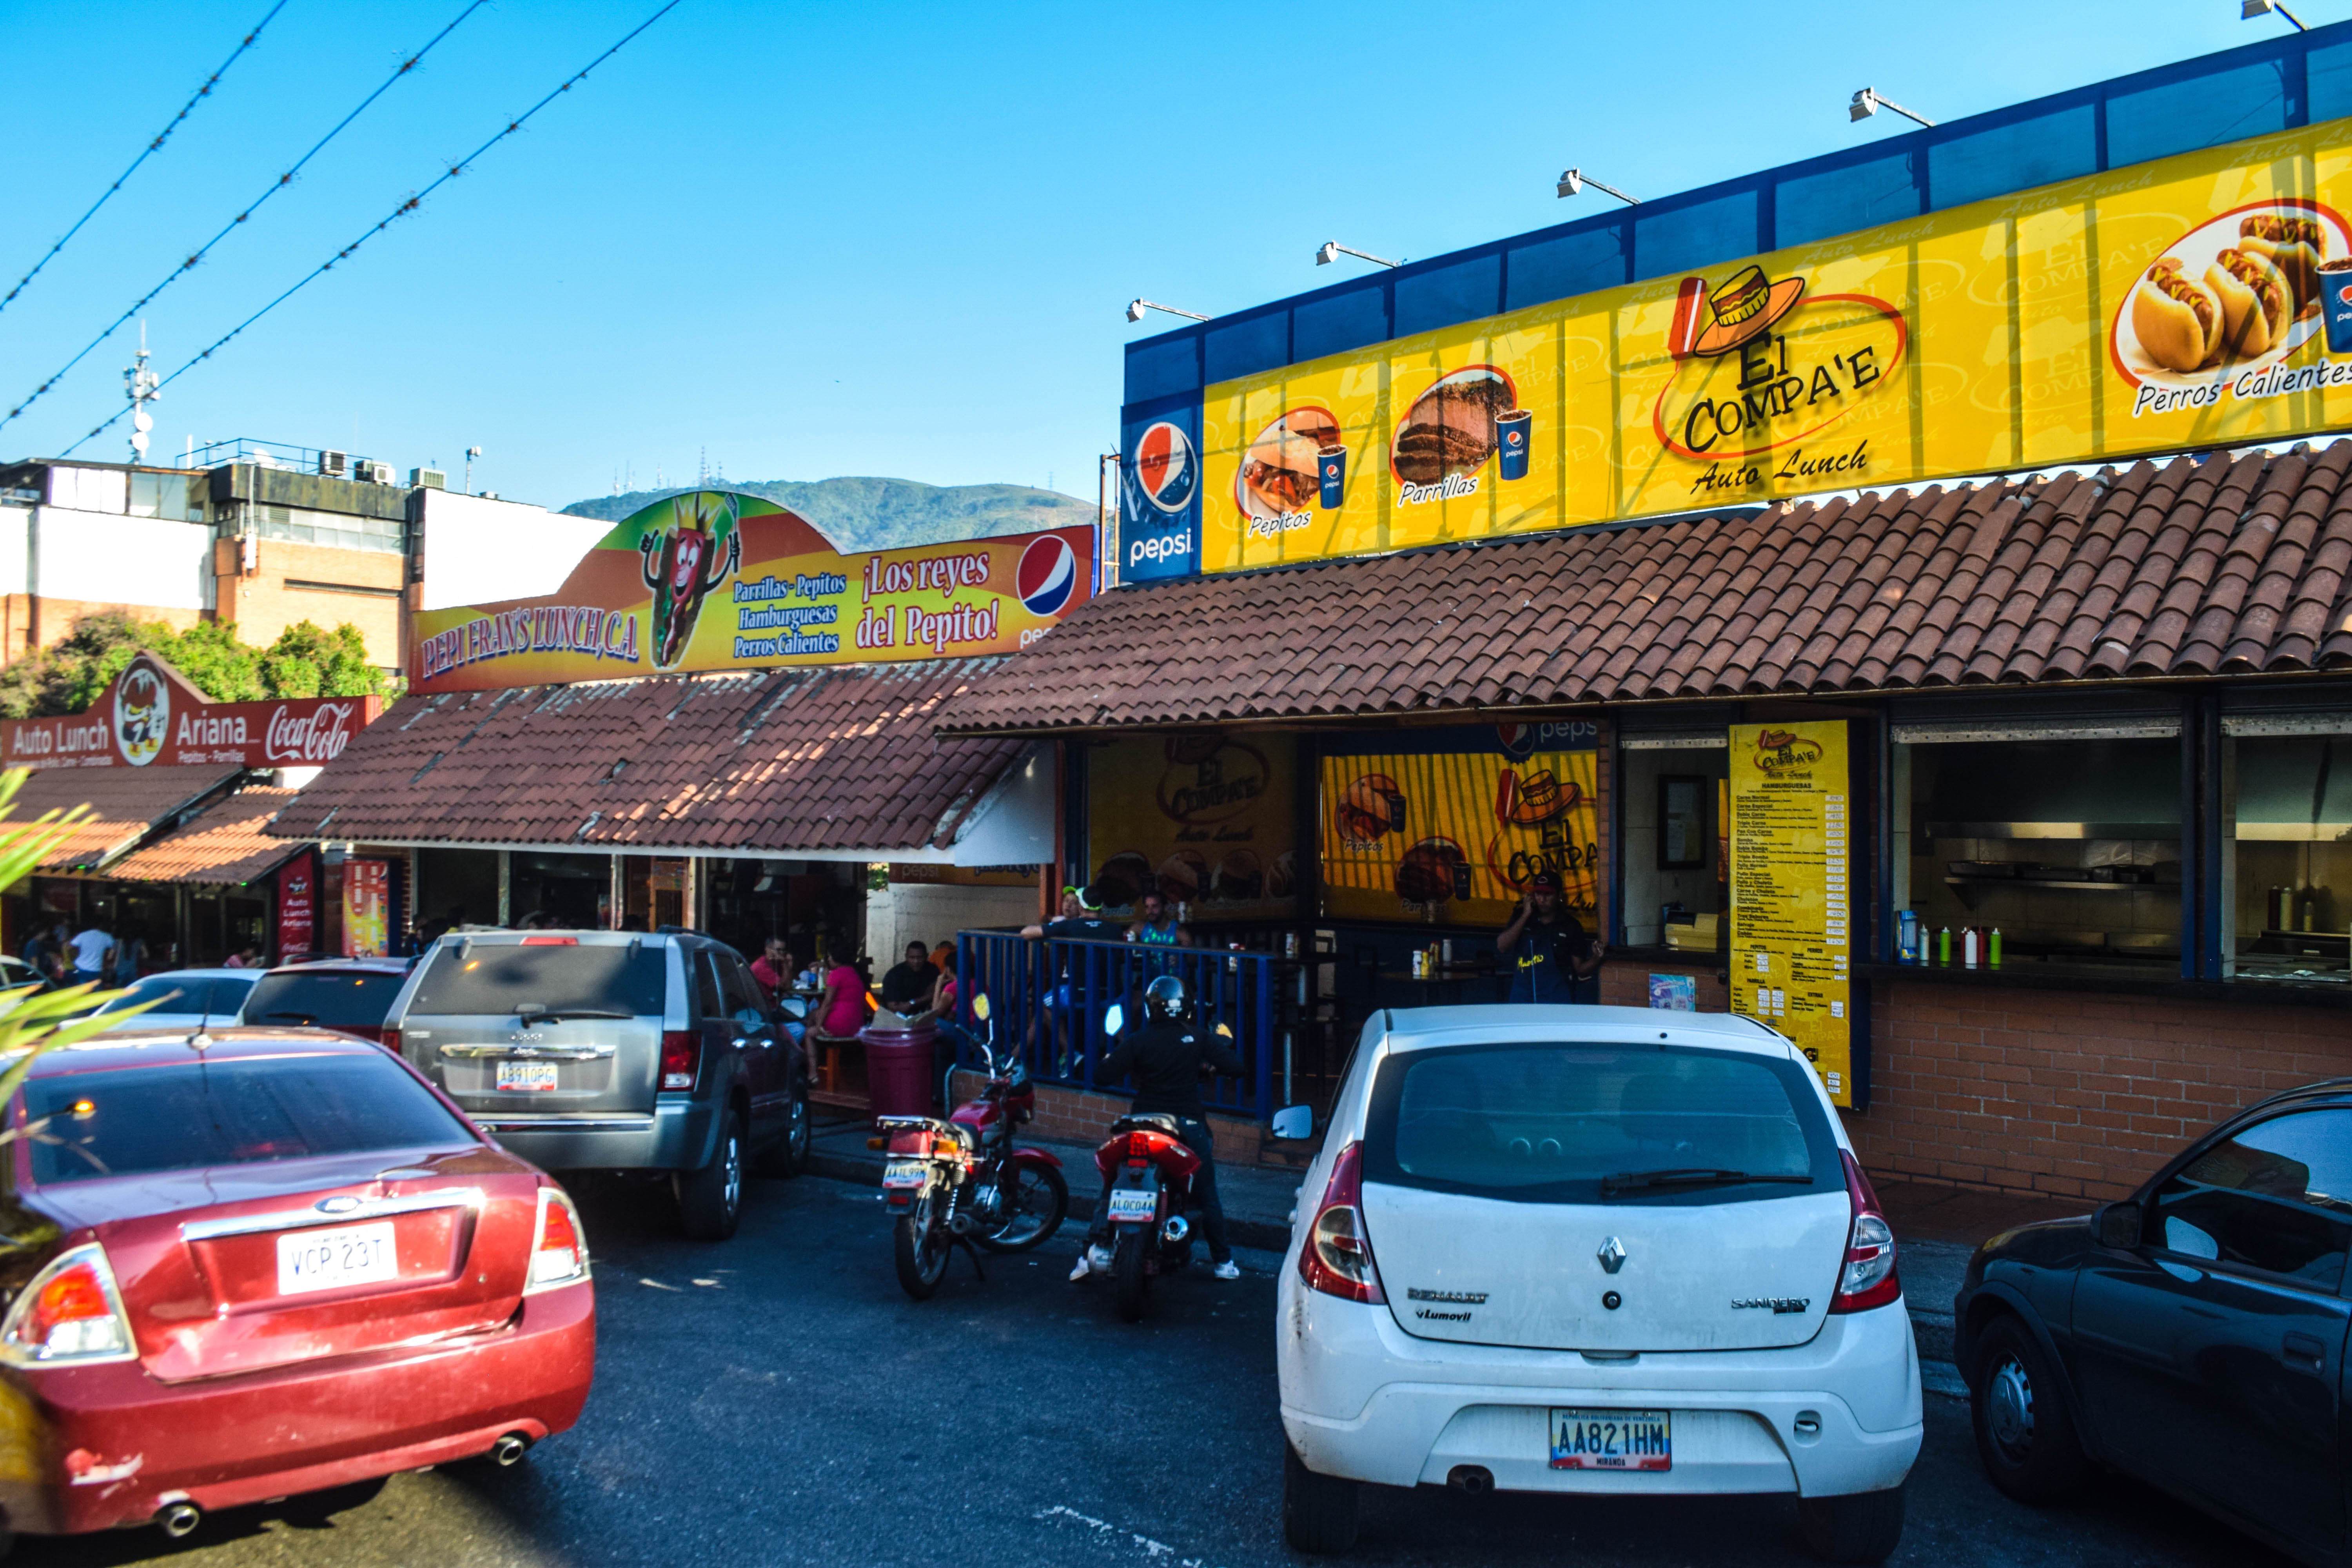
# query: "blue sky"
(895, 239)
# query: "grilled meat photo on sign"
(1433, 871)
(2256, 302)
(1123, 878)
(1451, 428)
(1278, 473)
(1184, 877)
(2296, 246)
(1239, 876)
(2178, 322)
(1372, 806)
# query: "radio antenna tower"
(143, 386)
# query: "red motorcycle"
(960, 1182)
(1150, 1172)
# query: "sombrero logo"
(1779, 750)
(1764, 371)
(1165, 469)
(1048, 574)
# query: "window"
(337, 530)
(2291, 835)
(1692, 238)
(496, 978)
(1446, 295)
(1568, 265)
(174, 496)
(238, 1111)
(1815, 206)
(706, 984)
(1674, 861)
(1549, 1123)
(1342, 322)
(2275, 1196)
(1682, 822)
(2203, 111)
(1248, 347)
(324, 998)
(745, 1004)
(2063, 840)
(2014, 157)
(1155, 370)
(181, 994)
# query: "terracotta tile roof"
(2227, 564)
(125, 805)
(223, 844)
(762, 761)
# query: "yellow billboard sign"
(1791, 880)
(2196, 300)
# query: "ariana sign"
(719, 580)
(2197, 300)
(150, 715)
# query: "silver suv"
(612, 1050)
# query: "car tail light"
(389, 1040)
(70, 1313)
(559, 1254)
(551, 941)
(1866, 1279)
(1337, 1257)
(681, 1057)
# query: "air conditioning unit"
(427, 479)
(372, 472)
(334, 464)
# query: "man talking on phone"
(1553, 958)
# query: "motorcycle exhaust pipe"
(510, 1450)
(179, 1520)
(1175, 1230)
(1471, 1480)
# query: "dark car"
(649, 1052)
(349, 995)
(2192, 1335)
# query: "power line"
(185, 110)
(403, 210)
(284, 179)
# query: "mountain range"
(860, 513)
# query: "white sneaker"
(1081, 1271)
(1092, 1261)
(1228, 1269)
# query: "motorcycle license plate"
(1612, 1440)
(904, 1174)
(1133, 1204)
(526, 1077)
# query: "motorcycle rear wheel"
(920, 1251)
(1035, 1200)
(1132, 1279)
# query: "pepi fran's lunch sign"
(150, 713)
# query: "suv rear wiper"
(1638, 1180)
(530, 1012)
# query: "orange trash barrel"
(898, 1067)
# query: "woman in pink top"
(844, 1010)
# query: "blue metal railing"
(1048, 997)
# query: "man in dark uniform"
(1166, 1055)
(1553, 958)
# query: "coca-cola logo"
(316, 735)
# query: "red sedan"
(263, 1262)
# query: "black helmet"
(1165, 998)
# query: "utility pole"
(471, 453)
(142, 384)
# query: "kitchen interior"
(2067, 849)
(1673, 827)
(2291, 903)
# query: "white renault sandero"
(1592, 1250)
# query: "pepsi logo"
(1517, 437)
(2344, 295)
(1331, 470)
(1517, 740)
(1048, 576)
(1165, 469)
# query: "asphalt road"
(777, 1400)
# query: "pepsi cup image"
(1512, 434)
(1331, 467)
(2335, 300)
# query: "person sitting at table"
(1553, 958)
(773, 969)
(907, 989)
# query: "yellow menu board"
(1791, 830)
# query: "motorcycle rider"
(1167, 1054)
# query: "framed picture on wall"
(1682, 822)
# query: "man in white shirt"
(90, 950)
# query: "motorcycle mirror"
(1114, 1018)
(980, 1006)
(1224, 1030)
(1295, 1121)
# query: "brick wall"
(1624, 983)
(2071, 1094)
(50, 620)
(263, 606)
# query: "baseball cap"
(1543, 883)
(1087, 897)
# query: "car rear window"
(329, 998)
(217, 994)
(1551, 1123)
(499, 977)
(240, 1112)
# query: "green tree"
(305, 661)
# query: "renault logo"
(1612, 1255)
(344, 1204)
